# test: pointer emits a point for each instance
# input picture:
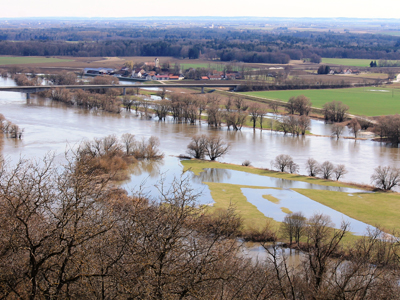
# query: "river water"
(50, 126)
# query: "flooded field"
(54, 127)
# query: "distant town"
(154, 71)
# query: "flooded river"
(54, 127)
(50, 126)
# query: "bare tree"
(291, 105)
(282, 162)
(386, 178)
(335, 111)
(274, 107)
(215, 114)
(337, 130)
(161, 93)
(293, 226)
(321, 242)
(240, 103)
(129, 143)
(354, 127)
(293, 167)
(304, 124)
(235, 119)
(254, 113)
(327, 169)
(261, 113)
(216, 147)
(339, 171)
(197, 147)
(313, 168)
(303, 105)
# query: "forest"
(225, 44)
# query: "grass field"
(211, 65)
(381, 209)
(368, 101)
(347, 62)
(6, 60)
(372, 208)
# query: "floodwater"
(148, 175)
(51, 126)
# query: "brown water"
(52, 126)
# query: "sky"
(257, 8)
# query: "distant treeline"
(254, 46)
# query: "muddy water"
(51, 126)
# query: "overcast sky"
(260, 8)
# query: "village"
(149, 71)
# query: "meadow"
(11, 60)
(380, 208)
(347, 61)
(367, 101)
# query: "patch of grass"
(197, 166)
(225, 194)
(271, 198)
(368, 101)
(213, 66)
(371, 208)
(348, 61)
(286, 210)
(20, 60)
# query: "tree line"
(257, 46)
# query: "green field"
(6, 60)
(214, 66)
(347, 62)
(368, 101)
(371, 208)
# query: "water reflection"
(151, 168)
(212, 175)
(244, 178)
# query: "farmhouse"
(215, 77)
(98, 71)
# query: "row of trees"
(65, 233)
(295, 125)
(327, 170)
(202, 145)
(226, 44)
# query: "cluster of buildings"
(217, 75)
(153, 71)
(344, 71)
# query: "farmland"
(22, 60)
(348, 62)
(368, 101)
